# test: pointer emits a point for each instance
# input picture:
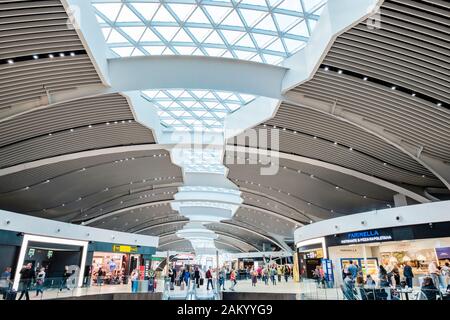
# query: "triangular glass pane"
(187, 51)
(252, 16)
(300, 29)
(233, 106)
(243, 55)
(266, 24)
(232, 19)
(285, 21)
(214, 52)
(154, 50)
(293, 45)
(214, 38)
(165, 103)
(272, 59)
(175, 93)
(256, 58)
(227, 54)
(210, 104)
(116, 37)
(150, 93)
(185, 94)
(274, 3)
(198, 52)
(189, 104)
(199, 17)
(247, 97)
(277, 45)
(124, 51)
(178, 113)
(109, 10)
(182, 36)
(126, 15)
(312, 4)
(209, 95)
(223, 95)
(100, 19)
(200, 33)
(168, 52)
(292, 5)
(199, 113)
(150, 36)
(232, 36)
(167, 32)
(161, 94)
(262, 39)
(137, 53)
(261, 3)
(182, 10)
(135, 33)
(147, 10)
(199, 93)
(163, 16)
(245, 41)
(217, 13)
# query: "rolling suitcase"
(202, 281)
(182, 285)
(172, 286)
(11, 295)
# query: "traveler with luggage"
(197, 277)
(222, 275)
(27, 275)
(233, 279)
(5, 282)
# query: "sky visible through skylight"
(266, 31)
(188, 110)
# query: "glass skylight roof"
(187, 110)
(266, 31)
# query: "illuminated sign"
(124, 249)
(366, 236)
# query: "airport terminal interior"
(224, 150)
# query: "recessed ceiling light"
(326, 68)
(393, 87)
(439, 104)
(51, 55)
(10, 61)
(35, 57)
(72, 54)
(340, 71)
(62, 54)
(365, 78)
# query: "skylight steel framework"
(187, 110)
(266, 31)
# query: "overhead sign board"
(366, 236)
(124, 249)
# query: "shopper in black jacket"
(27, 275)
(408, 274)
(197, 277)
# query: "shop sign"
(366, 236)
(124, 249)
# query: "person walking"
(279, 273)
(40, 279)
(197, 277)
(5, 282)
(233, 279)
(134, 281)
(254, 277)
(434, 273)
(286, 273)
(352, 269)
(273, 273)
(445, 272)
(187, 277)
(408, 274)
(266, 276)
(209, 278)
(100, 275)
(27, 275)
(172, 276)
(222, 276)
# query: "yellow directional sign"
(124, 249)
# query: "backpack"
(208, 274)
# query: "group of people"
(273, 272)
(28, 277)
(389, 276)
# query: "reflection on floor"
(304, 290)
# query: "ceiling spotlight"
(365, 197)
(335, 143)
(413, 94)
(340, 71)
(384, 164)
(337, 188)
(393, 87)
(35, 57)
(326, 69)
(51, 56)
(62, 54)
(365, 78)
(11, 61)
(72, 54)
(351, 149)
(439, 104)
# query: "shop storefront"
(310, 255)
(418, 245)
(116, 263)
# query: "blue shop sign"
(366, 236)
